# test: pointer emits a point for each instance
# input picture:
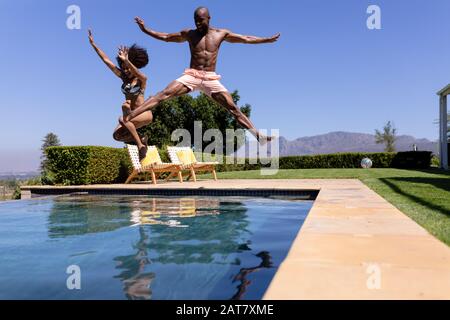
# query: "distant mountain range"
(18, 175)
(334, 142)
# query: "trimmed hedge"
(321, 161)
(88, 165)
(413, 160)
(337, 160)
(94, 165)
(406, 160)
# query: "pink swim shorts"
(204, 81)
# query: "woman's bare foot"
(144, 140)
(142, 152)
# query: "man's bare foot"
(263, 139)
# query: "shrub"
(87, 165)
(322, 161)
(412, 159)
(435, 162)
(17, 194)
(337, 160)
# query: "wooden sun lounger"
(185, 157)
(151, 164)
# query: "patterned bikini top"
(128, 89)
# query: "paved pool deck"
(353, 244)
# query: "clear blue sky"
(327, 72)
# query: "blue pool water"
(132, 247)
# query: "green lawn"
(423, 195)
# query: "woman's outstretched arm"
(103, 56)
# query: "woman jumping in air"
(129, 60)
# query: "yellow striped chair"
(185, 157)
(151, 164)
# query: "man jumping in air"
(204, 44)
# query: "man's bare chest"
(210, 43)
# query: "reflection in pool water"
(145, 248)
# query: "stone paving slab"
(356, 245)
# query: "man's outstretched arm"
(239, 38)
(168, 37)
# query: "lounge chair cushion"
(151, 157)
(186, 156)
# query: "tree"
(183, 111)
(50, 140)
(387, 137)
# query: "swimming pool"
(141, 247)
